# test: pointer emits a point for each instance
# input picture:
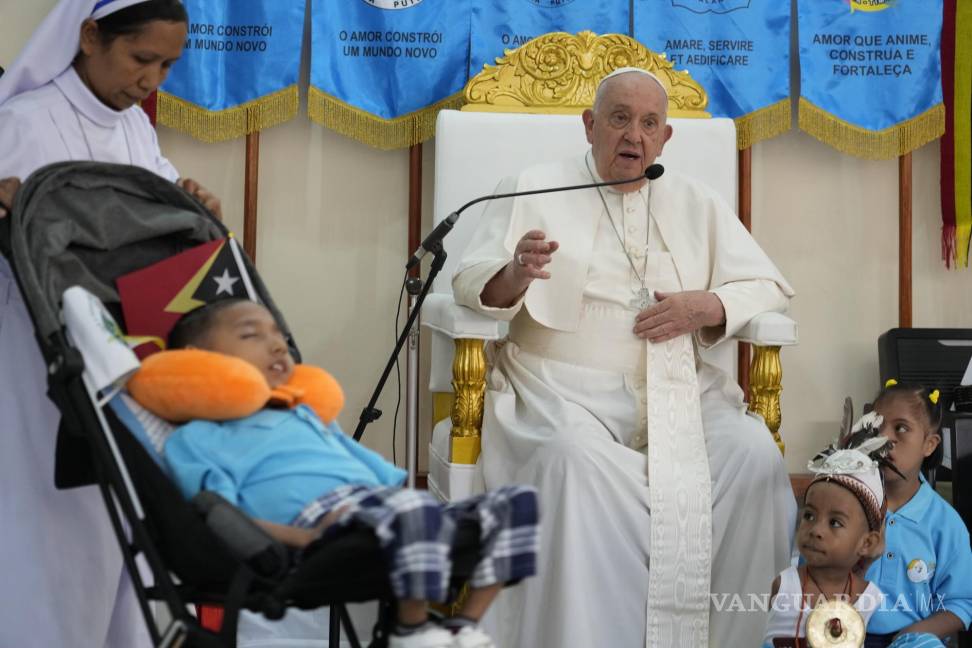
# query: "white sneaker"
(432, 637)
(472, 637)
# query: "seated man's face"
(627, 128)
(248, 331)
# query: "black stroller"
(87, 224)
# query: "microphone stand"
(414, 286)
(370, 413)
(418, 291)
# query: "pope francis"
(666, 510)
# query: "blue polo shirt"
(926, 566)
(273, 463)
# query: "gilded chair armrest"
(769, 329)
(458, 369)
(768, 332)
(442, 314)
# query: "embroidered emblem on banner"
(711, 6)
(550, 4)
(870, 5)
(392, 4)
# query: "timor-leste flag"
(155, 297)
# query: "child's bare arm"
(940, 624)
(775, 589)
(295, 536)
(289, 535)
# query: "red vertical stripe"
(150, 105)
(948, 139)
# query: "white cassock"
(590, 414)
(62, 580)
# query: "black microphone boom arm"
(433, 244)
(439, 232)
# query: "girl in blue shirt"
(925, 571)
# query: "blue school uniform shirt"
(926, 566)
(273, 463)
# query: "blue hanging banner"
(738, 50)
(870, 74)
(238, 71)
(382, 69)
(500, 25)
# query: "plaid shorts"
(416, 532)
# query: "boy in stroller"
(303, 479)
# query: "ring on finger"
(519, 259)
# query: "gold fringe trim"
(218, 125)
(765, 123)
(386, 134)
(870, 144)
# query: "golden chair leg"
(469, 386)
(765, 386)
(469, 391)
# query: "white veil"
(54, 44)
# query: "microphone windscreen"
(654, 172)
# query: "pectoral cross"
(643, 300)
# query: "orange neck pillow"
(189, 384)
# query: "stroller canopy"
(88, 223)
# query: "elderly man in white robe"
(642, 452)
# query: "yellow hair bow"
(933, 397)
(890, 383)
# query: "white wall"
(831, 223)
(332, 241)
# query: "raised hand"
(532, 252)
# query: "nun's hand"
(8, 189)
(203, 195)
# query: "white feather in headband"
(854, 461)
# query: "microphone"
(433, 241)
(654, 172)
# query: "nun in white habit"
(72, 94)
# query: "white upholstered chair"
(503, 130)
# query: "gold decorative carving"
(559, 72)
(469, 386)
(765, 386)
(442, 406)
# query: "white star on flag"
(225, 283)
